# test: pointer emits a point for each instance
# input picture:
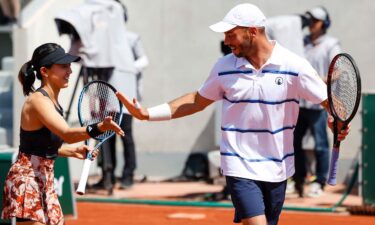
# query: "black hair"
(306, 19)
(31, 68)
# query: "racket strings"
(344, 88)
(98, 102)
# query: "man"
(260, 84)
(320, 49)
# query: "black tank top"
(41, 142)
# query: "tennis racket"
(344, 95)
(97, 101)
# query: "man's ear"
(252, 31)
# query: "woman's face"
(58, 75)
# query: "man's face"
(316, 26)
(239, 40)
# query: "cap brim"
(222, 27)
(68, 59)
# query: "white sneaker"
(290, 187)
(315, 190)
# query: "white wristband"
(160, 112)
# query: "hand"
(134, 107)
(81, 152)
(342, 132)
(109, 124)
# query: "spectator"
(98, 31)
(124, 83)
(320, 49)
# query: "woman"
(29, 193)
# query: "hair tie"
(30, 70)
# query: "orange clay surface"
(111, 213)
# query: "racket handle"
(84, 176)
(334, 166)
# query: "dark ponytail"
(26, 76)
(31, 69)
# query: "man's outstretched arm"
(183, 106)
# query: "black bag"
(196, 167)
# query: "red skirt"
(29, 191)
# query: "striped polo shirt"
(260, 110)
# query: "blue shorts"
(253, 198)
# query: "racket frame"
(336, 145)
(87, 162)
(329, 82)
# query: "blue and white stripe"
(265, 159)
(232, 72)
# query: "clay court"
(183, 203)
(110, 213)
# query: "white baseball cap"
(318, 13)
(244, 15)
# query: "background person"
(99, 35)
(130, 84)
(29, 193)
(140, 58)
(320, 49)
(260, 84)
(140, 61)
